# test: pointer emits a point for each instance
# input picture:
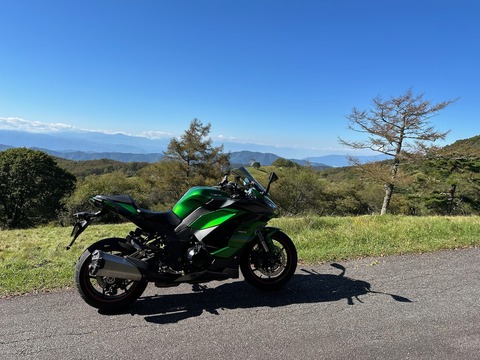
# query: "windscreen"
(248, 178)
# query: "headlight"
(270, 203)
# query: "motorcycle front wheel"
(105, 293)
(267, 270)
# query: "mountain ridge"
(236, 157)
(89, 145)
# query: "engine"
(198, 256)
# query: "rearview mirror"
(271, 178)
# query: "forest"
(445, 184)
(37, 188)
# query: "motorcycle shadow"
(306, 286)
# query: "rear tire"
(269, 271)
(108, 294)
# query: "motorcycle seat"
(167, 218)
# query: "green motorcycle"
(209, 234)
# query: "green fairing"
(244, 234)
(196, 197)
(212, 219)
(129, 208)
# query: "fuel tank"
(196, 197)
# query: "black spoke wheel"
(101, 292)
(269, 270)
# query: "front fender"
(268, 231)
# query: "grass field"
(36, 260)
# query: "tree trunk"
(389, 186)
(386, 199)
(451, 199)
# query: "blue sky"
(277, 72)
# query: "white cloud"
(14, 123)
(229, 138)
(155, 134)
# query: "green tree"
(397, 127)
(281, 162)
(456, 183)
(299, 191)
(195, 160)
(32, 187)
(162, 184)
(255, 164)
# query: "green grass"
(36, 260)
(320, 239)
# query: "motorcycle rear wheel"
(107, 294)
(268, 271)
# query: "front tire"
(268, 271)
(104, 293)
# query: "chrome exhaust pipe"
(104, 264)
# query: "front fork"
(265, 236)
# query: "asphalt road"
(401, 307)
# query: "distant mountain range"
(85, 141)
(87, 145)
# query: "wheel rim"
(106, 289)
(268, 267)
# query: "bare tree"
(397, 127)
